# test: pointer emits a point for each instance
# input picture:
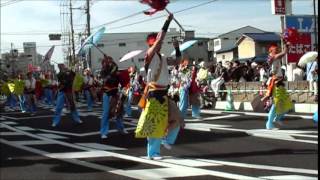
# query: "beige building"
(253, 46)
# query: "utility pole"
(315, 26)
(73, 57)
(88, 31)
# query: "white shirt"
(298, 74)
(30, 84)
(312, 66)
(153, 70)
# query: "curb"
(246, 106)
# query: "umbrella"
(130, 55)
(185, 46)
(92, 40)
(308, 57)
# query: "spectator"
(312, 77)
(298, 73)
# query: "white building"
(117, 45)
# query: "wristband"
(166, 26)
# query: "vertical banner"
(304, 24)
(278, 7)
(299, 48)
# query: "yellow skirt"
(153, 121)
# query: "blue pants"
(89, 99)
(104, 125)
(21, 102)
(183, 103)
(48, 96)
(272, 116)
(11, 101)
(128, 104)
(171, 136)
(59, 107)
(195, 111)
(153, 147)
(30, 102)
(315, 117)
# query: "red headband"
(151, 40)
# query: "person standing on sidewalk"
(65, 93)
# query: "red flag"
(48, 55)
(156, 5)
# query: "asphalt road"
(221, 145)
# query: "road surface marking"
(263, 167)
(77, 155)
(24, 128)
(289, 177)
(52, 136)
(33, 142)
(102, 146)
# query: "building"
(117, 45)
(15, 61)
(254, 46)
(223, 47)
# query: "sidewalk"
(246, 106)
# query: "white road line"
(102, 146)
(263, 167)
(82, 134)
(33, 142)
(10, 134)
(24, 128)
(52, 136)
(126, 157)
(289, 177)
(77, 155)
(9, 123)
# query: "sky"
(32, 20)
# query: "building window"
(216, 42)
(223, 56)
(200, 59)
(200, 43)
(100, 45)
(122, 44)
(141, 59)
(225, 38)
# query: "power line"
(176, 12)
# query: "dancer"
(87, 86)
(30, 86)
(281, 99)
(111, 96)
(153, 121)
(65, 79)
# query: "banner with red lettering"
(299, 48)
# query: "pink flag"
(156, 5)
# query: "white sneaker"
(157, 158)
(23, 111)
(124, 131)
(54, 125)
(167, 146)
(104, 137)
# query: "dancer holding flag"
(155, 121)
